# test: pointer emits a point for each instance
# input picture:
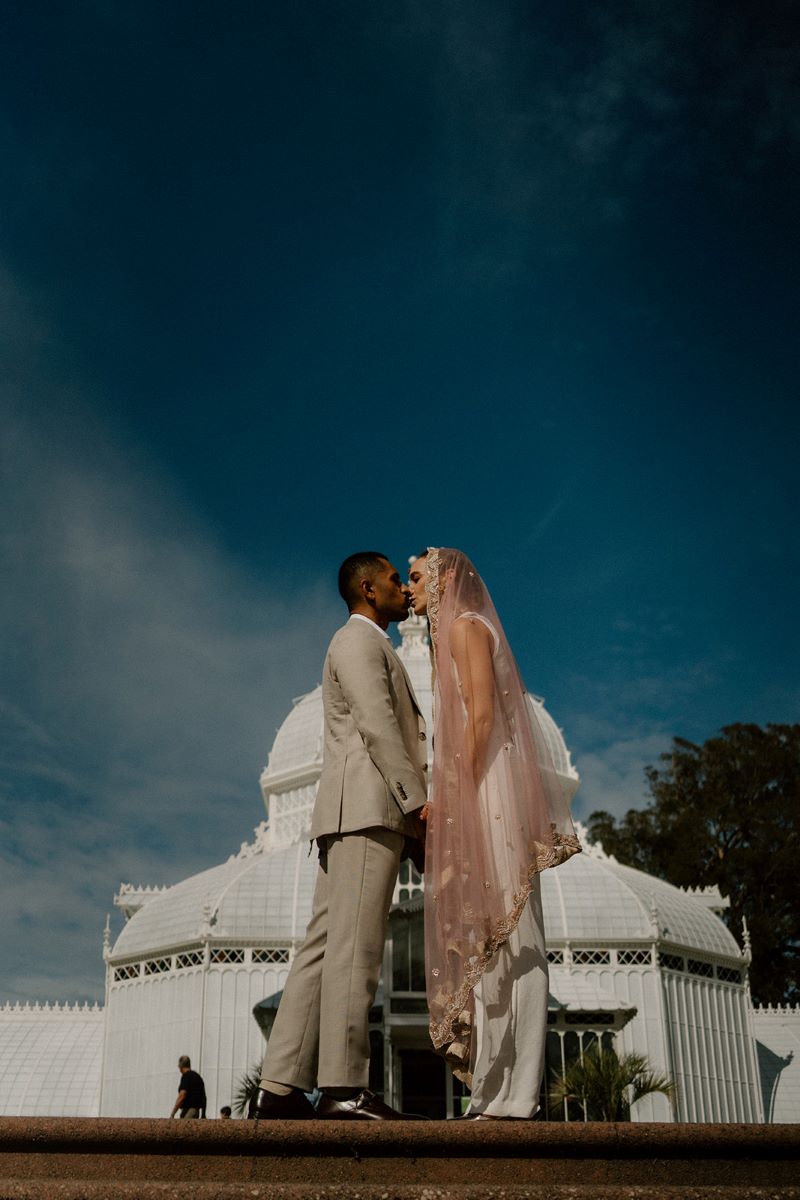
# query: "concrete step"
(17, 1189)
(83, 1159)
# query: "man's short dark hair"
(184, 1061)
(354, 568)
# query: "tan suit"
(375, 755)
(373, 779)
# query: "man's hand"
(421, 823)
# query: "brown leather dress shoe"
(365, 1106)
(267, 1106)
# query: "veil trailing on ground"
(488, 836)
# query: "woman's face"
(417, 575)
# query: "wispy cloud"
(545, 139)
(143, 676)
(551, 513)
(641, 688)
(613, 777)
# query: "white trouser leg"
(511, 1021)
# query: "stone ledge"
(80, 1135)
(17, 1189)
(72, 1158)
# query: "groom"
(372, 784)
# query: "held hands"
(421, 824)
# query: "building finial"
(748, 953)
(414, 632)
(654, 926)
(107, 939)
(209, 920)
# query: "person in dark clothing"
(191, 1100)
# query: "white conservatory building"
(198, 969)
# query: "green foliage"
(727, 812)
(604, 1086)
(246, 1089)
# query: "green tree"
(605, 1085)
(727, 812)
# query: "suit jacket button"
(422, 736)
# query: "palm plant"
(606, 1084)
(246, 1089)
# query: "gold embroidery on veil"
(468, 918)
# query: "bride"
(497, 817)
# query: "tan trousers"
(511, 1021)
(321, 1031)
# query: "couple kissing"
(488, 821)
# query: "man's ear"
(366, 588)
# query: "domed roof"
(263, 894)
(298, 743)
(593, 898)
(297, 748)
(50, 1058)
(557, 746)
(257, 896)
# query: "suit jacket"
(375, 754)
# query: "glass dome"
(594, 899)
(257, 897)
(263, 894)
(297, 750)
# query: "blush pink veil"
(487, 839)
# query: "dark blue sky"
(282, 282)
